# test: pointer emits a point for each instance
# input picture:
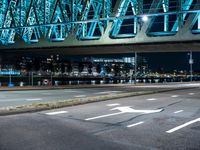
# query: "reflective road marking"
(182, 126)
(132, 125)
(56, 113)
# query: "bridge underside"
(109, 49)
(99, 26)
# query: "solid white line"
(151, 99)
(179, 111)
(103, 116)
(56, 113)
(132, 125)
(79, 96)
(34, 99)
(182, 126)
(110, 105)
(174, 96)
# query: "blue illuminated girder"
(117, 25)
(56, 20)
(94, 9)
(185, 5)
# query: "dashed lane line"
(190, 93)
(183, 125)
(56, 113)
(111, 105)
(135, 124)
(179, 111)
(79, 96)
(151, 99)
(34, 99)
(174, 96)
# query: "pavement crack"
(173, 103)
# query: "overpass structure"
(117, 26)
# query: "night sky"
(166, 61)
(172, 61)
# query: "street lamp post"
(135, 68)
(10, 77)
(191, 62)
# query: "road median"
(41, 106)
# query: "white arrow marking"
(132, 125)
(182, 126)
(103, 116)
(125, 109)
(128, 109)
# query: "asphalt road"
(17, 98)
(164, 121)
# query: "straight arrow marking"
(125, 109)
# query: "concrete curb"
(35, 107)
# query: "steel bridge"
(130, 25)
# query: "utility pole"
(32, 83)
(135, 68)
(10, 77)
(191, 62)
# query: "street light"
(145, 18)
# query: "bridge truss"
(41, 23)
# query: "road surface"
(163, 121)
